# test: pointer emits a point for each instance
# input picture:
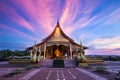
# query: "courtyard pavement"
(61, 74)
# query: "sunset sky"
(95, 22)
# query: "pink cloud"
(72, 10)
(111, 18)
(15, 17)
(103, 51)
(43, 12)
(107, 43)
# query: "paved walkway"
(29, 75)
(61, 74)
(56, 74)
(96, 77)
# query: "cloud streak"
(103, 52)
(17, 32)
(14, 16)
(107, 43)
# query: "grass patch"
(100, 69)
(117, 76)
(84, 65)
(12, 73)
(19, 61)
(31, 66)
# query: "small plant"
(36, 66)
(15, 71)
(29, 67)
(100, 69)
(84, 65)
(119, 72)
(12, 73)
(117, 76)
(87, 66)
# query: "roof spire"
(58, 22)
(81, 47)
(58, 25)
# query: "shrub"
(119, 72)
(29, 67)
(117, 76)
(84, 65)
(15, 71)
(100, 69)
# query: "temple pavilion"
(56, 45)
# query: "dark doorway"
(57, 51)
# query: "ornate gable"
(57, 36)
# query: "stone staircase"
(69, 63)
(46, 63)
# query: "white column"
(31, 53)
(44, 49)
(40, 50)
(70, 51)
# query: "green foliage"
(100, 69)
(112, 58)
(117, 76)
(84, 65)
(19, 61)
(6, 54)
(20, 53)
(119, 72)
(29, 67)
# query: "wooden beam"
(70, 51)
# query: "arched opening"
(57, 52)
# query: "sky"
(95, 22)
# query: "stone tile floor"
(60, 74)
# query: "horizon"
(95, 23)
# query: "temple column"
(40, 50)
(39, 54)
(31, 53)
(44, 49)
(70, 51)
(51, 52)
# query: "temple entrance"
(57, 52)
